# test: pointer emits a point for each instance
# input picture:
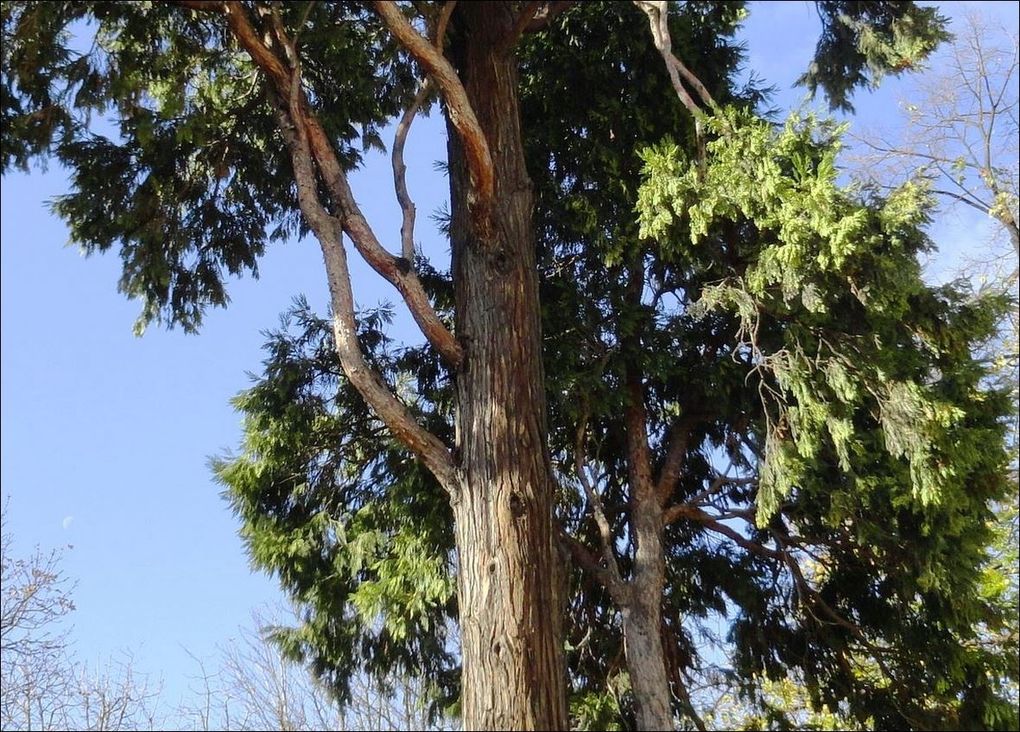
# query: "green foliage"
(876, 430)
(359, 534)
(170, 139)
(775, 316)
(862, 41)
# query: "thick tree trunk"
(509, 590)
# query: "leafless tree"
(42, 685)
(254, 687)
(961, 127)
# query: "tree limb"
(407, 207)
(658, 18)
(308, 146)
(595, 501)
(391, 268)
(462, 115)
(328, 230)
(586, 561)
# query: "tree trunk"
(514, 675)
(642, 621)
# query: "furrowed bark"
(509, 573)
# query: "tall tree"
(256, 145)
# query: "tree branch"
(308, 147)
(462, 115)
(400, 138)
(672, 464)
(658, 18)
(426, 446)
(391, 268)
(595, 501)
(586, 561)
(399, 173)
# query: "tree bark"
(642, 610)
(642, 625)
(514, 674)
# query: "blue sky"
(105, 437)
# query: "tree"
(256, 145)
(255, 687)
(43, 685)
(961, 129)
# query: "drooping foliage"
(357, 532)
(172, 146)
(861, 42)
(830, 520)
(875, 443)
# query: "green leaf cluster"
(358, 533)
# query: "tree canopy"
(773, 449)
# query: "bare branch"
(595, 502)
(587, 561)
(444, 21)
(462, 115)
(399, 173)
(407, 206)
(369, 384)
(672, 464)
(658, 18)
(303, 135)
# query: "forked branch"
(311, 155)
(658, 18)
(461, 113)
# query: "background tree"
(254, 686)
(42, 685)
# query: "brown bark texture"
(508, 569)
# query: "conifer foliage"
(686, 423)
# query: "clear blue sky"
(106, 437)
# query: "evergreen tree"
(747, 409)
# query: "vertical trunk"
(511, 638)
(642, 613)
(642, 620)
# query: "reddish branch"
(393, 269)
(462, 115)
(312, 155)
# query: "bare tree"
(961, 128)
(255, 687)
(42, 685)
